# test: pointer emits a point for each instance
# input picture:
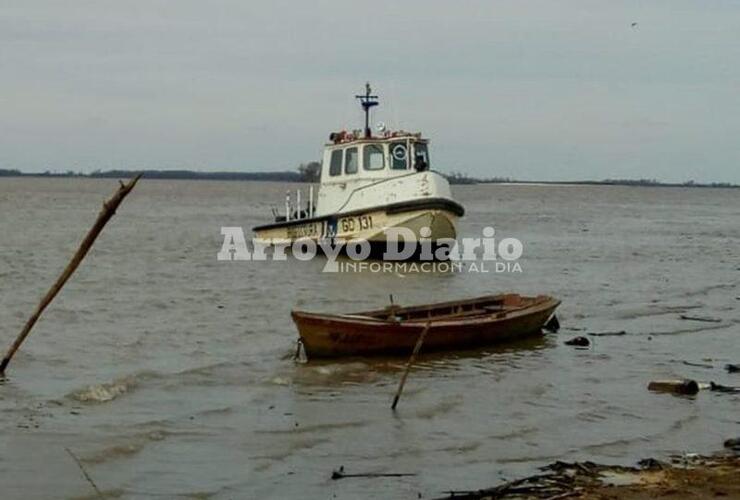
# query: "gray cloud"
(533, 90)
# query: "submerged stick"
(84, 472)
(340, 474)
(700, 365)
(417, 347)
(109, 209)
(608, 334)
(698, 318)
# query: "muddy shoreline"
(687, 476)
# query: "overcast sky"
(532, 90)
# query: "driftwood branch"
(109, 209)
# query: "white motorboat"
(370, 183)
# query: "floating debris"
(733, 368)
(578, 341)
(686, 387)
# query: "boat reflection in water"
(491, 360)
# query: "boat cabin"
(348, 159)
(355, 166)
(362, 171)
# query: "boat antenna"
(367, 101)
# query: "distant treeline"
(286, 176)
(458, 178)
(311, 171)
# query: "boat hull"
(372, 224)
(326, 336)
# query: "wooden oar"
(416, 350)
(109, 209)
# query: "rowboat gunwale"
(545, 302)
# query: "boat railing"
(296, 212)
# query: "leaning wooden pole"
(109, 209)
(416, 350)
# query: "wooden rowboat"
(452, 325)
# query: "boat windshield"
(421, 157)
(399, 155)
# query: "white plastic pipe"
(298, 203)
(310, 200)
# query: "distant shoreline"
(285, 176)
(289, 176)
(616, 182)
(456, 178)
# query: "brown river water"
(169, 373)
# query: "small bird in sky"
(634, 24)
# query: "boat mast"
(367, 101)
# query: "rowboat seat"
(493, 308)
